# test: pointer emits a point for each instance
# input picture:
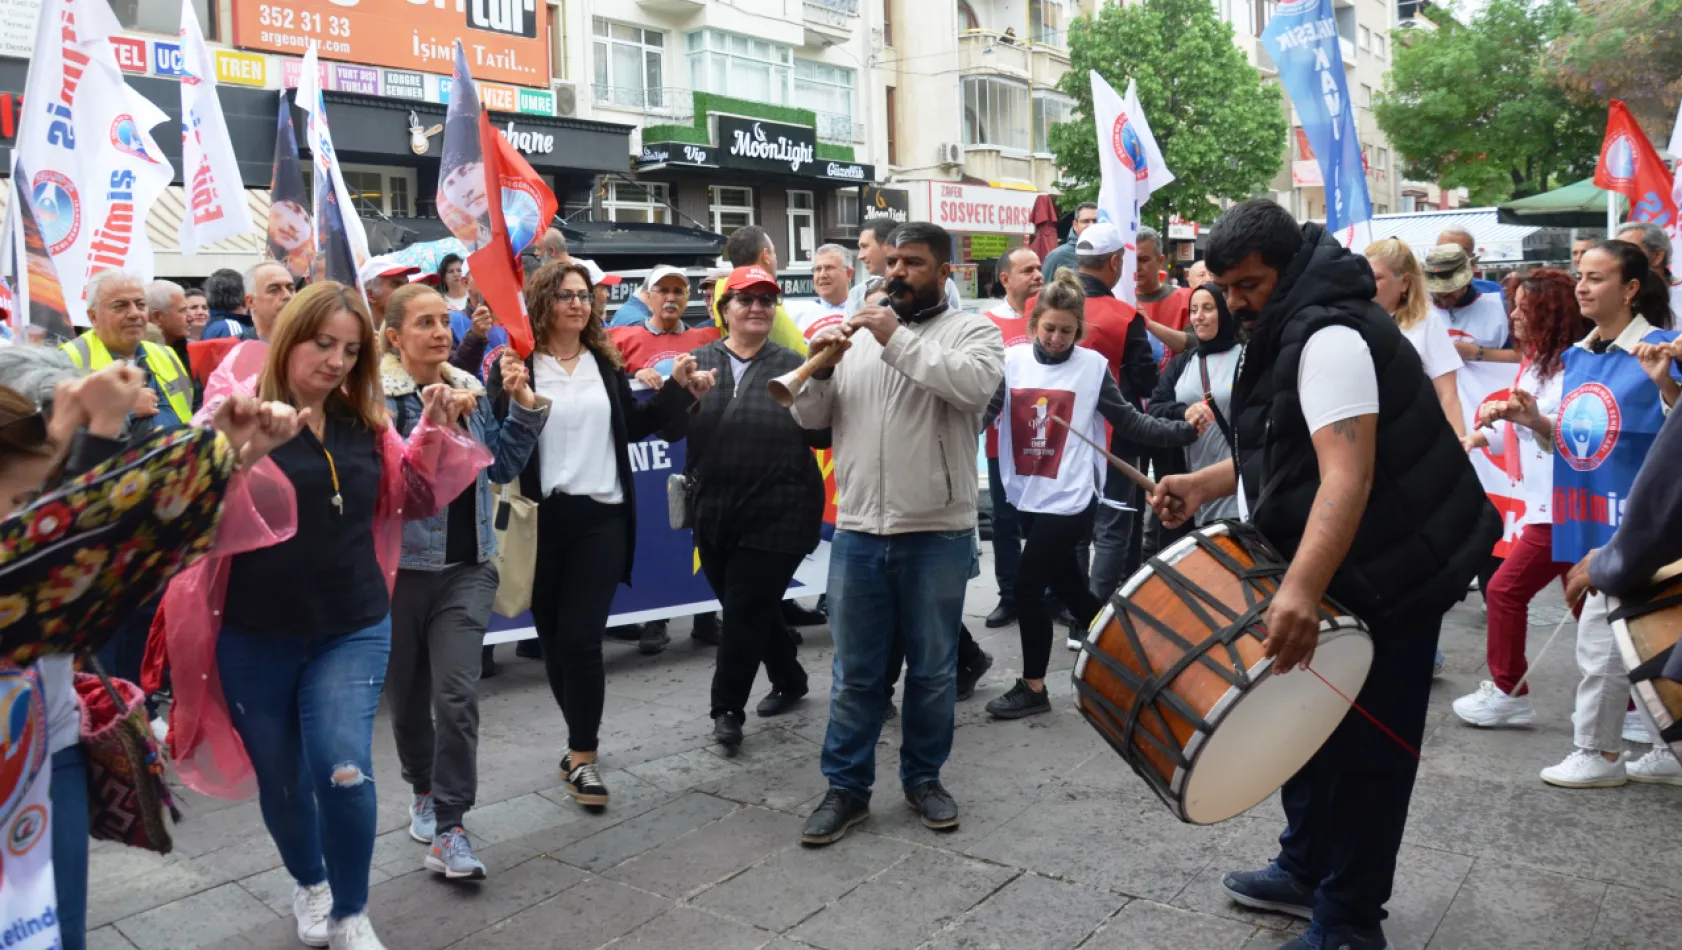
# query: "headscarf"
(1226, 325)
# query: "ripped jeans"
(304, 708)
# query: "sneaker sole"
(588, 801)
(837, 834)
(787, 705)
(312, 943)
(1523, 719)
(1278, 907)
(1656, 779)
(436, 866)
(1617, 782)
(417, 838)
(950, 824)
(1019, 713)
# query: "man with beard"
(1354, 476)
(905, 407)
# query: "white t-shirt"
(814, 315)
(1483, 322)
(1336, 380)
(1675, 302)
(576, 451)
(1435, 347)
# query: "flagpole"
(1611, 214)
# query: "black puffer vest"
(1428, 525)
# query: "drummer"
(1052, 478)
(1352, 472)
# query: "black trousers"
(1346, 809)
(1048, 559)
(750, 583)
(581, 554)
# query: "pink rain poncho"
(419, 478)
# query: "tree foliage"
(1221, 129)
(1475, 106)
(1629, 50)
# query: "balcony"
(984, 51)
(829, 22)
(673, 7)
(991, 163)
(1047, 64)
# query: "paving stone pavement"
(1061, 846)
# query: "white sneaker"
(312, 906)
(160, 729)
(1658, 767)
(1075, 644)
(353, 933)
(1489, 707)
(1635, 728)
(1585, 769)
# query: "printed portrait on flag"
(1036, 442)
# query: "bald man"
(553, 247)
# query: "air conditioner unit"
(566, 100)
(951, 153)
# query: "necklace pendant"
(339, 503)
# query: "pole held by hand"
(1133, 475)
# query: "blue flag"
(1302, 38)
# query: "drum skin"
(1644, 628)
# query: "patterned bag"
(127, 794)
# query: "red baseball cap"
(753, 275)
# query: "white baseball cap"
(384, 266)
(598, 276)
(1099, 240)
(662, 272)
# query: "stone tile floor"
(1060, 846)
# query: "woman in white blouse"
(586, 534)
(1401, 292)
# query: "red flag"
(496, 267)
(1631, 166)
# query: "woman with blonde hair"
(586, 516)
(279, 642)
(1052, 477)
(1401, 292)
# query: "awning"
(628, 245)
(1496, 242)
(1578, 205)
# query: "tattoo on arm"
(1328, 510)
(1345, 428)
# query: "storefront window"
(732, 208)
(377, 190)
(1049, 110)
(164, 16)
(731, 65)
(828, 91)
(802, 225)
(641, 202)
(847, 208)
(629, 67)
(996, 113)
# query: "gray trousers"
(1114, 545)
(438, 621)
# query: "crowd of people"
(1322, 395)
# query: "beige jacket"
(905, 420)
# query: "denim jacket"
(510, 440)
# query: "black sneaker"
(1021, 700)
(1002, 616)
(625, 633)
(584, 783)
(529, 649)
(653, 638)
(487, 663)
(705, 629)
(829, 822)
(797, 616)
(935, 804)
(968, 678)
(777, 702)
(727, 729)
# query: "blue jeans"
(879, 583)
(69, 795)
(304, 707)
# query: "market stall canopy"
(1578, 205)
(1496, 241)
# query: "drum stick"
(1134, 475)
(1518, 690)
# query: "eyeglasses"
(764, 300)
(578, 296)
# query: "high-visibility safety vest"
(87, 352)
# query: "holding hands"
(516, 382)
(699, 382)
(100, 403)
(255, 428)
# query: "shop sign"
(766, 146)
(847, 171)
(1179, 229)
(505, 40)
(362, 79)
(291, 70)
(678, 153)
(17, 27)
(242, 69)
(987, 247)
(11, 109)
(537, 102)
(166, 58)
(131, 53)
(499, 98)
(891, 203)
(403, 85)
(532, 143)
(976, 208)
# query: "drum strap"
(1629, 610)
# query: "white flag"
(1131, 166)
(338, 229)
(1674, 227)
(86, 141)
(215, 193)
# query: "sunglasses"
(764, 300)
